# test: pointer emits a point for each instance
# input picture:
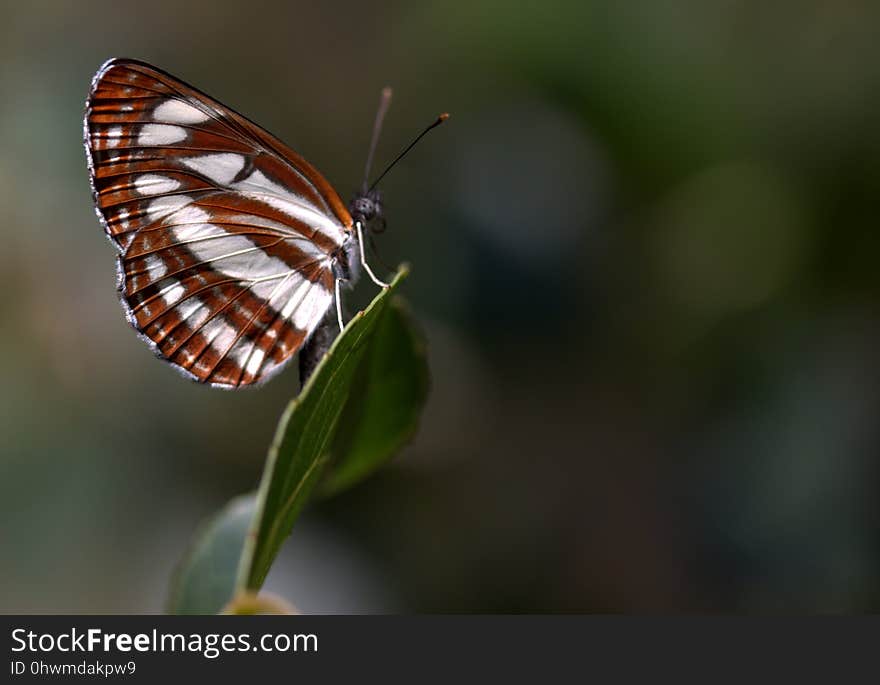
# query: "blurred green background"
(644, 254)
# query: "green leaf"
(309, 428)
(205, 579)
(386, 400)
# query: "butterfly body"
(345, 261)
(230, 245)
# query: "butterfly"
(231, 246)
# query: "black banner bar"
(416, 648)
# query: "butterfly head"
(367, 208)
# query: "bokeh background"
(644, 255)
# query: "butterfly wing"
(226, 236)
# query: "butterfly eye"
(363, 208)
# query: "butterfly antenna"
(384, 102)
(440, 119)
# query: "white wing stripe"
(179, 112)
(156, 268)
(217, 330)
(174, 293)
(257, 187)
(162, 206)
(253, 364)
(155, 135)
(220, 168)
(154, 184)
(238, 257)
(310, 312)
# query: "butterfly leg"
(360, 232)
(339, 304)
